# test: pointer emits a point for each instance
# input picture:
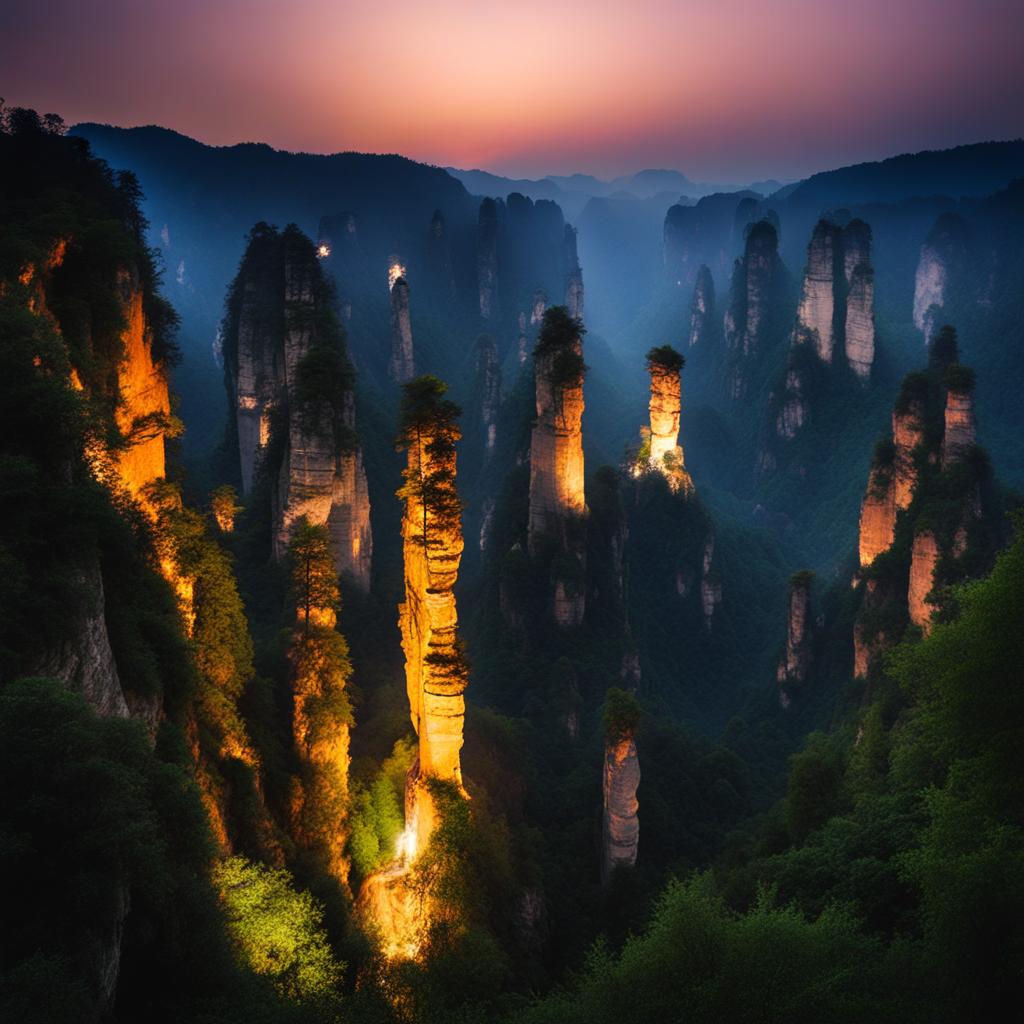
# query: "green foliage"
(665, 357)
(621, 715)
(278, 931)
(314, 579)
(801, 580)
(815, 786)
(958, 378)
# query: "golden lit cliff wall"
(664, 409)
(428, 618)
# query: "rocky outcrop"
(537, 308)
(794, 667)
(286, 367)
(487, 258)
(958, 436)
(557, 503)
(620, 780)
(400, 363)
(573, 275)
(702, 309)
(815, 314)
(435, 670)
(923, 560)
(487, 391)
(754, 285)
(868, 644)
(907, 434)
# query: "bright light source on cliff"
(395, 271)
(323, 250)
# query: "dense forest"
(478, 664)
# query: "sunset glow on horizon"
(721, 91)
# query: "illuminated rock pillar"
(620, 779)
(435, 669)
(400, 364)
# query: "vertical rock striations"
(924, 557)
(755, 280)
(573, 275)
(557, 503)
(435, 669)
(958, 436)
(488, 389)
(621, 777)
(942, 255)
(794, 667)
(860, 299)
(702, 309)
(487, 258)
(400, 363)
(815, 314)
(290, 381)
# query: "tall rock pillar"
(400, 364)
(557, 503)
(435, 669)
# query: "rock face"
(754, 285)
(942, 254)
(815, 314)
(557, 503)
(702, 309)
(439, 255)
(488, 389)
(866, 646)
(958, 437)
(400, 362)
(710, 584)
(573, 275)
(891, 480)
(621, 829)
(666, 453)
(285, 362)
(923, 559)
(537, 307)
(435, 671)
(860, 298)
(793, 412)
(839, 295)
(84, 662)
(795, 664)
(487, 258)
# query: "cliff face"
(702, 309)
(621, 829)
(860, 298)
(795, 664)
(487, 391)
(891, 483)
(286, 365)
(573, 275)
(839, 294)
(814, 317)
(428, 618)
(942, 254)
(958, 438)
(557, 501)
(487, 258)
(754, 285)
(923, 559)
(400, 362)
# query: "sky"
(724, 90)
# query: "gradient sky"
(724, 90)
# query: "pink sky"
(721, 89)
